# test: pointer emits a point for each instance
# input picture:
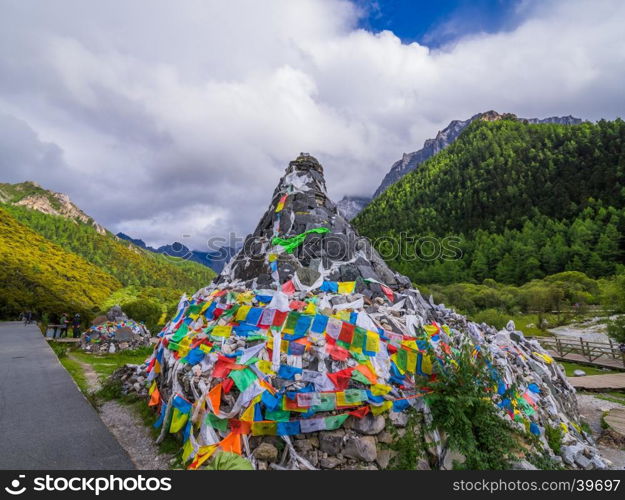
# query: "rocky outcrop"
(350, 206)
(52, 203)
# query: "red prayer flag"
(288, 287)
(388, 292)
(360, 412)
(347, 333)
(227, 385)
(341, 378)
(279, 318)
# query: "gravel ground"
(133, 436)
(591, 409)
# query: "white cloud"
(180, 117)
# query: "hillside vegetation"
(54, 263)
(126, 262)
(508, 201)
(39, 275)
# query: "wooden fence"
(589, 350)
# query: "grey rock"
(399, 419)
(569, 453)
(583, 462)
(384, 457)
(330, 462)
(369, 424)
(579, 373)
(423, 464)
(266, 452)
(385, 437)
(361, 448)
(331, 442)
(522, 465)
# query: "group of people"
(59, 324)
(61, 328)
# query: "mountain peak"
(449, 134)
(30, 194)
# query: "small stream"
(591, 330)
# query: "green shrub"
(473, 425)
(492, 317)
(554, 438)
(616, 329)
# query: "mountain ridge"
(352, 205)
(214, 260)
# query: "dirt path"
(93, 381)
(592, 409)
(127, 427)
(134, 436)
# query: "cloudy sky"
(163, 118)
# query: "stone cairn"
(308, 351)
(114, 332)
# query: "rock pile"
(114, 332)
(308, 343)
(132, 379)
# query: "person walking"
(76, 326)
(64, 321)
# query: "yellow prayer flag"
(377, 410)
(248, 414)
(311, 308)
(242, 313)
(347, 287)
(380, 389)
(222, 331)
(187, 451)
(372, 343)
(411, 361)
(426, 364)
(265, 367)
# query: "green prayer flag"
(277, 415)
(243, 378)
(354, 395)
(360, 336)
(215, 422)
(290, 244)
(194, 309)
(356, 375)
(291, 320)
(335, 421)
(327, 402)
(180, 333)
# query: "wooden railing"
(589, 350)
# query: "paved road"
(45, 421)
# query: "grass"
(105, 364)
(570, 367)
(612, 397)
(75, 370)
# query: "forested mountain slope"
(39, 275)
(511, 201)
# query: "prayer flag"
(214, 396)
